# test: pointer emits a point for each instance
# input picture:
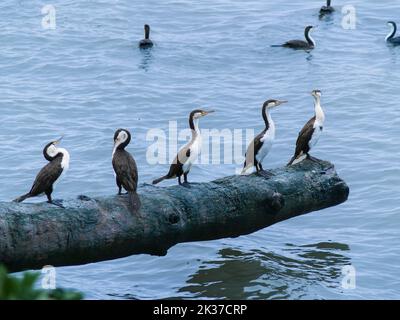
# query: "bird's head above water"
(393, 29)
(391, 23)
(316, 94)
(328, 3)
(51, 150)
(270, 104)
(146, 31)
(308, 29)
(307, 34)
(122, 137)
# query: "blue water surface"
(87, 77)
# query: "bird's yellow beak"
(58, 141)
(204, 113)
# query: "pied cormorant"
(309, 135)
(262, 143)
(188, 153)
(58, 164)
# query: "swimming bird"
(188, 153)
(146, 42)
(125, 168)
(390, 37)
(300, 44)
(58, 164)
(326, 9)
(309, 135)
(262, 143)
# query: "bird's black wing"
(304, 137)
(253, 149)
(258, 143)
(176, 168)
(296, 44)
(126, 170)
(46, 177)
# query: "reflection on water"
(269, 275)
(147, 57)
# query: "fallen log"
(90, 230)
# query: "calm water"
(87, 78)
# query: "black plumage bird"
(125, 167)
(146, 42)
(58, 164)
(328, 9)
(309, 44)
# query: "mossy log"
(96, 229)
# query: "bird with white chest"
(188, 154)
(261, 145)
(47, 177)
(311, 132)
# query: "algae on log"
(90, 230)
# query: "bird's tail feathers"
(22, 198)
(297, 159)
(134, 201)
(245, 168)
(160, 179)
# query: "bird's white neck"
(65, 158)
(271, 123)
(311, 39)
(391, 33)
(319, 113)
(196, 131)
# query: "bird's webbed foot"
(186, 185)
(266, 174)
(57, 203)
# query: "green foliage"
(23, 288)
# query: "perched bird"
(301, 44)
(262, 143)
(390, 37)
(328, 9)
(125, 167)
(146, 42)
(188, 153)
(58, 164)
(309, 135)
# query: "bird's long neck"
(319, 113)
(65, 158)
(194, 126)
(328, 3)
(147, 33)
(120, 146)
(392, 32)
(309, 39)
(269, 123)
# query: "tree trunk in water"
(90, 230)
